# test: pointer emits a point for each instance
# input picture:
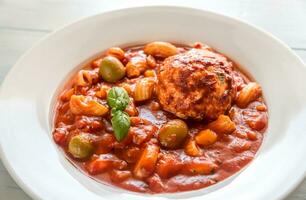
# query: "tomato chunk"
(198, 165)
(119, 176)
(168, 165)
(146, 164)
(104, 163)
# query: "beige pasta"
(151, 61)
(223, 125)
(80, 105)
(248, 94)
(160, 49)
(86, 77)
(144, 89)
(116, 52)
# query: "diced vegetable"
(223, 125)
(173, 133)
(206, 137)
(168, 165)
(119, 176)
(104, 163)
(102, 93)
(149, 73)
(131, 154)
(111, 69)
(142, 133)
(198, 165)
(257, 123)
(105, 143)
(80, 146)
(261, 107)
(131, 109)
(59, 138)
(191, 148)
(155, 183)
(146, 164)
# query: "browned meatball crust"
(196, 84)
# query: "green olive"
(80, 147)
(111, 69)
(173, 133)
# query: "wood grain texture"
(284, 18)
(23, 23)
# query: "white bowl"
(27, 95)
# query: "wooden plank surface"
(22, 23)
(284, 18)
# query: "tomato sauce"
(173, 170)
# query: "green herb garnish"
(118, 99)
(121, 124)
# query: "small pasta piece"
(145, 166)
(151, 61)
(80, 105)
(206, 137)
(223, 125)
(135, 67)
(248, 94)
(191, 148)
(149, 73)
(116, 52)
(144, 89)
(86, 77)
(67, 94)
(160, 49)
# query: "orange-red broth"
(230, 153)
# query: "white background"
(22, 23)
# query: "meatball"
(196, 84)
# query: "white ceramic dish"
(37, 165)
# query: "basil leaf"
(121, 124)
(118, 98)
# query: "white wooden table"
(24, 22)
